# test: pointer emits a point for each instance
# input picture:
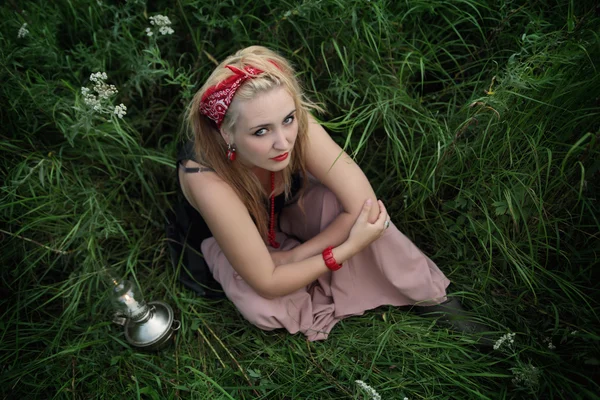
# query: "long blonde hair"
(210, 147)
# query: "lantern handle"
(119, 319)
(176, 328)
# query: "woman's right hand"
(363, 233)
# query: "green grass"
(477, 122)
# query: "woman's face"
(265, 130)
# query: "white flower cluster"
(103, 92)
(23, 31)
(551, 346)
(372, 392)
(508, 338)
(102, 88)
(120, 110)
(526, 376)
(90, 99)
(163, 23)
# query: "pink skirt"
(390, 271)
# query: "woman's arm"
(327, 162)
(233, 228)
(333, 235)
(361, 234)
(240, 241)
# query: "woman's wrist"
(294, 256)
(330, 261)
(344, 252)
(297, 255)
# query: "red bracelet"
(329, 260)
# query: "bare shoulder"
(193, 174)
(230, 223)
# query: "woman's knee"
(330, 200)
(317, 208)
(328, 204)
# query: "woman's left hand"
(282, 257)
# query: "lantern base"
(155, 331)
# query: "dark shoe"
(453, 315)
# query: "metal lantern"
(148, 326)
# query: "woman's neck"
(264, 177)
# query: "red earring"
(230, 152)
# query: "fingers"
(364, 213)
(383, 222)
(383, 218)
(383, 215)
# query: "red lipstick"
(281, 157)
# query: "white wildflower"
(372, 392)
(90, 99)
(23, 31)
(160, 20)
(163, 23)
(120, 110)
(166, 30)
(103, 91)
(98, 77)
(551, 346)
(508, 338)
(526, 376)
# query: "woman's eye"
(260, 132)
(288, 120)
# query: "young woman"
(297, 238)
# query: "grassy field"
(477, 122)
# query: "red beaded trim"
(330, 260)
(272, 241)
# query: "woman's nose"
(281, 142)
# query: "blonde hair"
(210, 147)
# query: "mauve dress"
(390, 271)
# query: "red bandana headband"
(216, 100)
